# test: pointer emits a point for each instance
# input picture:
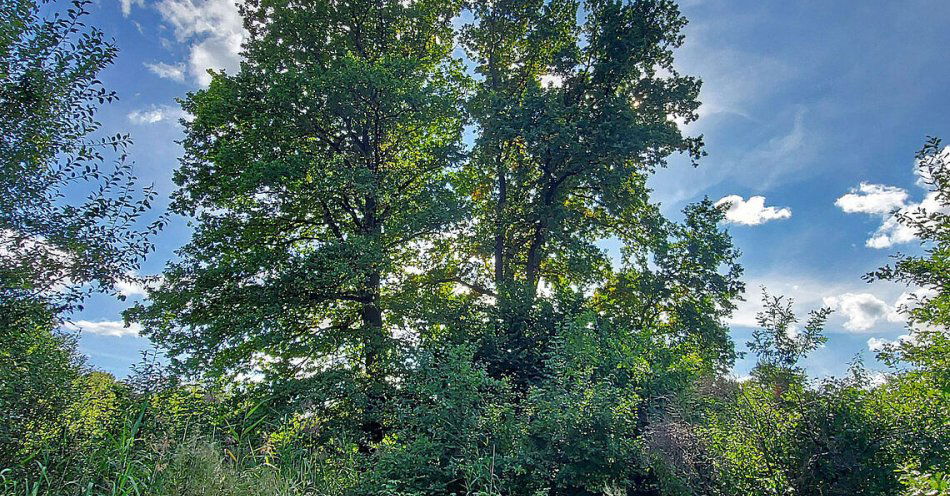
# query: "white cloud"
(878, 199)
(878, 344)
(892, 232)
(215, 52)
(744, 314)
(877, 378)
(872, 199)
(884, 201)
(910, 299)
(127, 6)
(157, 113)
(17, 244)
(753, 211)
(52, 265)
(856, 310)
(105, 328)
(175, 72)
(146, 116)
(135, 285)
(130, 289)
(131, 286)
(862, 310)
(215, 30)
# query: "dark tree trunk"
(500, 225)
(374, 339)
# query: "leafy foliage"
(779, 344)
(572, 117)
(55, 244)
(317, 173)
(929, 315)
(368, 306)
(38, 368)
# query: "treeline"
(395, 283)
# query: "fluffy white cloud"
(910, 299)
(878, 344)
(104, 328)
(135, 285)
(889, 202)
(157, 113)
(862, 310)
(130, 289)
(175, 72)
(214, 29)
(127, 6)
(885, 307)
(131, 286)
(882, 200)
(753, 211)
(891, 232)
(873, 199)
(150, 116)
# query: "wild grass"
(137, 460)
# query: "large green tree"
(317, 175)
(576, 104)
(335, 214)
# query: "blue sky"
(816, 106)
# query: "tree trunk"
(374, 339)
(500, 224)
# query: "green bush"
(39, 368)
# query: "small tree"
(779, 344)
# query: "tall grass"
(138, 460)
